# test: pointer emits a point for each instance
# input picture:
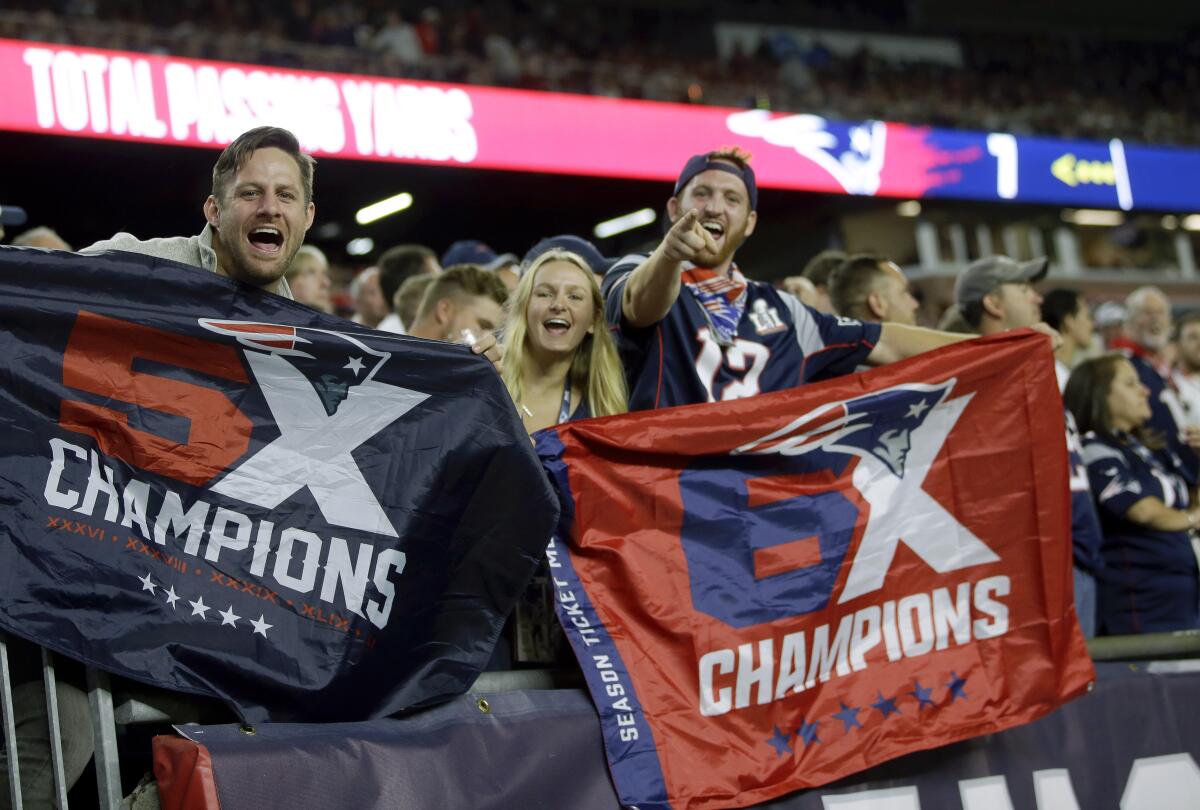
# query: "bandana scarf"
(723, 299)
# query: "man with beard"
(693, 329)
(1145, 339)
(260, 207)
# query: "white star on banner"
(172, 598)
(355, 365)
(199, 608)
(261, 627)
(228, 617)
(147, 585)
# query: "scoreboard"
(91, 93)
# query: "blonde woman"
(560, 361)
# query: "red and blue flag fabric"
(215, 490)
(772, 593)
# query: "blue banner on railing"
(213, 489)
(1130, 744)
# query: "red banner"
(772, 593)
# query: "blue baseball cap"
(12, 215)
(575, 244)
(703, 162)
(472, 251)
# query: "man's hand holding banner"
(771, 593)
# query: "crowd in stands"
(575, 335)
(1052, 83)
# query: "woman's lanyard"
(564, 412)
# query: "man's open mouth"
(266, 239)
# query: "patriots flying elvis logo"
(853, 154)
(766, 531)
(322, 391)
(896, 434)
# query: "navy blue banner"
(1126, 745)
(216, 490)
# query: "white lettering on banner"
(623, 710)
(90, 91)
(985, 793)
(571, 608)
(302, 558)
(1052, 788)
(1169, 782)
(902, 798)
(754, 675)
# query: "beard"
(728, 247)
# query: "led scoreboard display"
(90, 93)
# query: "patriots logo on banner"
(794, 587)
(306, 375)
(218, 491)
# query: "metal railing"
(105, 718)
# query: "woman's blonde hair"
(596, 367)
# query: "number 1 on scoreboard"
(1003, 147)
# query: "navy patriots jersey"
(1149, 580)
(1161, 418)
(780, 343)
(1085, 523)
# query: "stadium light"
(360, 246)
(1170, 222)
(1094, 217)
(628, 222)
(383, 208)
(1191, 222)
(909, 208)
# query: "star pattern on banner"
(199, 608)
(849, 717)
(956, 687)
(922, 694)
(779, 741)
(886, 706)
(261, 627)
(228, 617)
(808, 732)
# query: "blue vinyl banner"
(1130, 744)
(215, 490)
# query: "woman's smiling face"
(561, 312)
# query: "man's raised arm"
(899, 342)
(653, 285)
